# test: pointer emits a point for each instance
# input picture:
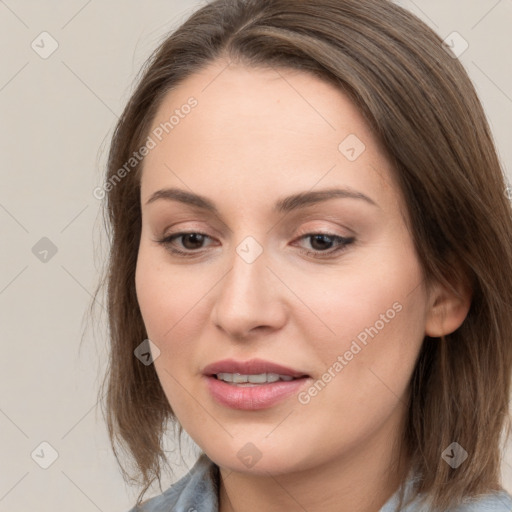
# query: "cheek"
(166, 300)
(155, 301)
(369, 296)
(171, 300)
(378, 315)
(162, 295)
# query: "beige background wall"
(56, 116)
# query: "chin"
(259, 457)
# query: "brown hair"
(424, 110)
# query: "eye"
(192, 241)
(321, 240)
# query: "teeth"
(260, 378)
(226, 377)
(238, 378)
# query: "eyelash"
(343, 242)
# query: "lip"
(253, 366)
(256, 397)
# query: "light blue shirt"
(197, 491)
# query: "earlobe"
(448, 309)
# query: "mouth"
(252, 385)
(252, 379)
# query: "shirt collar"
(199, 489)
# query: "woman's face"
(301, 267)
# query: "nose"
(250, 299)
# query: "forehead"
(264, 130)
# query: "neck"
(361, 480)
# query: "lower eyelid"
(341, 244)
(171, 239)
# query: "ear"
(448, 307)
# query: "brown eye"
(322, 244)
(191, 241)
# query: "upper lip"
(251, 367)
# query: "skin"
(255, 136)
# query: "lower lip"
(250, 398)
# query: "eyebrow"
(285, 204)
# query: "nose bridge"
(246, 280)
(245, 299)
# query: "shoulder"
(196, 491)
(493, 501)
(497, 501)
